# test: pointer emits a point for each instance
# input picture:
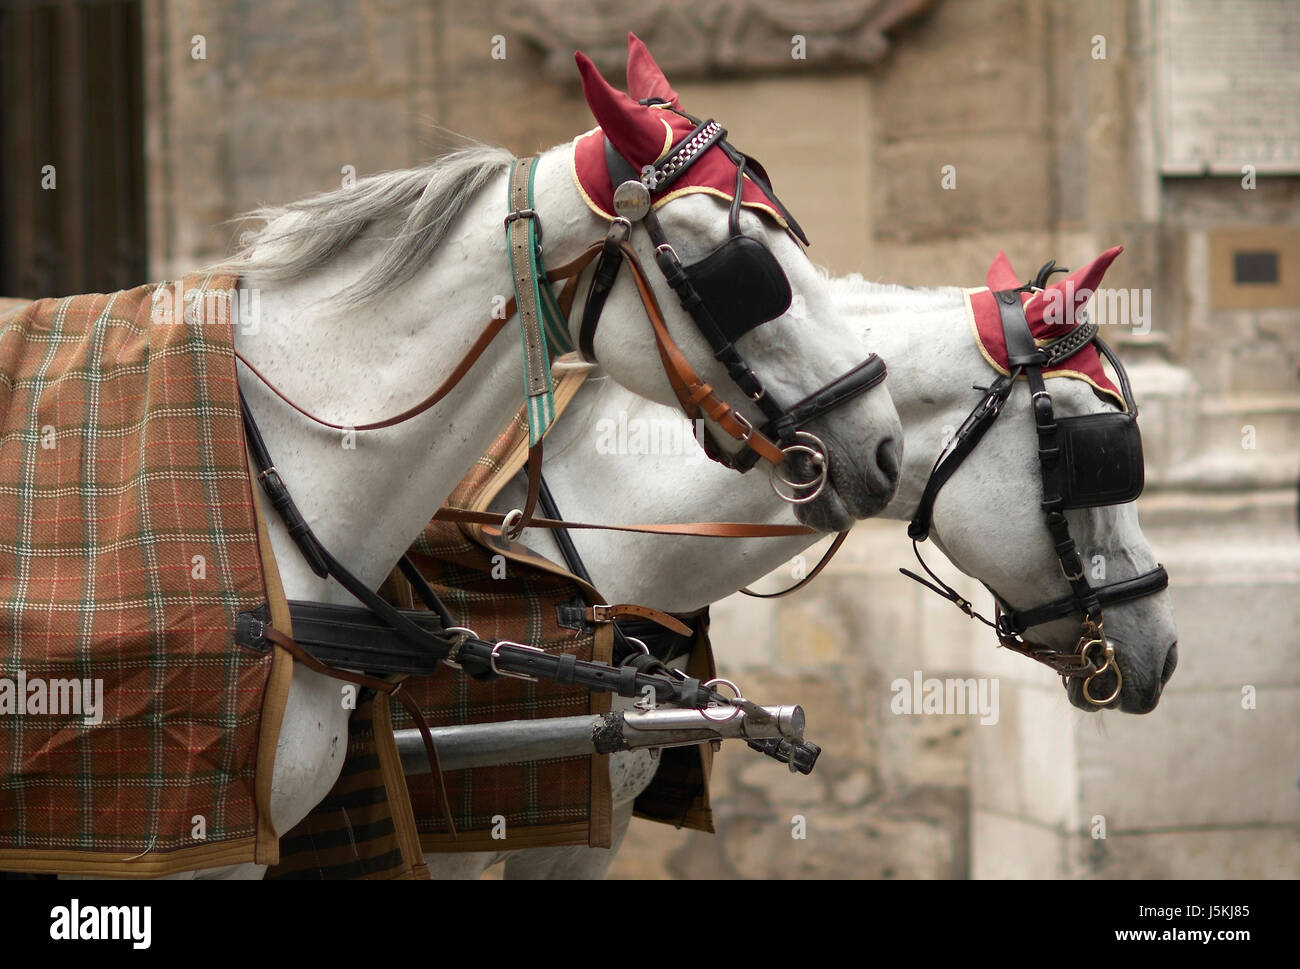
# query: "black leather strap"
(351, 637)
(664, 644)
(1126, 590)
(1022, 351)
(421, 587)
(608, 264)
(870, 373)
(620, 169)
(279, 496)
(316, 553)
(964, 440)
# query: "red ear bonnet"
(1051, 314)
(643, 134)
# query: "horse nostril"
(1171, 662)
(888, 456)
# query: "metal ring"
(632, 639)
(819, 482)
(1109, 654)
(458, 629)
(512, 525)
(1119, 684)
(817, 451)
(735, 711)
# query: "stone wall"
(1054, 156)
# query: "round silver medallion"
(631, 201)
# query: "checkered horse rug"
(137, 733)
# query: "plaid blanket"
(137, 735)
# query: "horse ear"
(637, 132)
(1000, 275)
(644, 78)
(1082, 283)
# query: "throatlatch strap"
(528, 279)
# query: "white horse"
(987, 520)
(370, 296)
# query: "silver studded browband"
(658, 178)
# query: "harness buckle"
(496, 654)
(667, 249)
(523, 214)
(264, 477)
(619, 229)
(527, 214)
(1068, 577)
(745, 426)
(450, 658)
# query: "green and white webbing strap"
(539, 314)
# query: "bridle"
(735, 288)
(1086, 462)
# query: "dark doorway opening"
(72, 144)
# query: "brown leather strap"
(693, 394)
(697, 529)
(825, 559)
(534, 488)
(394, 691)
(1065, 662)
(628, 610)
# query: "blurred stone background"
(1058, 153)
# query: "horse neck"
(924, 335)
(367, 495)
